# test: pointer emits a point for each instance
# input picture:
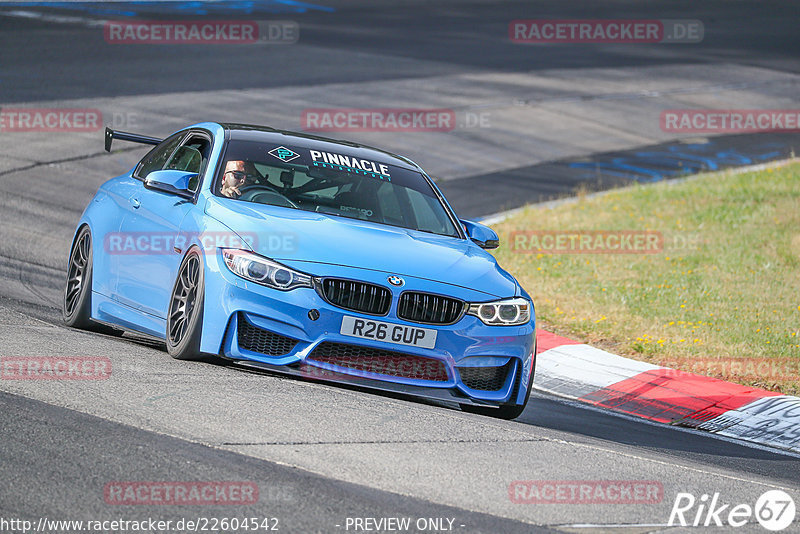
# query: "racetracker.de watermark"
(783, 369)
(540, 31)
(416, 369)
(586, 492)
(201, 32)
(50, 120)
(55, 368)
(378, 120)
(181, 493)
(152, 243)
(587, 242)
(730, 120)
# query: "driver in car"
(233, 178)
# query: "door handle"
(135, 203)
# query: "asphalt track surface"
(321, 453)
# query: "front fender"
(100, 217)
(209, 235)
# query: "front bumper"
(464, 354)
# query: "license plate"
(391, 333)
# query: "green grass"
(725, 287)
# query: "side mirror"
(171, 181)
(482, 235)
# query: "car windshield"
(333, 183)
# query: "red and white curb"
(575, 370)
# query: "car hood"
(290, 235)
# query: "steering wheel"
(265, 194)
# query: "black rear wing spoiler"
(127, 136)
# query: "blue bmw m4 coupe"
(303, 255)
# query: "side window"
(186, 158)
(156, 158)
(190, 157)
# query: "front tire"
(185, 313)
(77, 303)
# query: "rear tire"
(185, 312)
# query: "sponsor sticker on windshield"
(350, 164)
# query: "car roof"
(267, 135)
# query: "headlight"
(263, 271)
(508, 312)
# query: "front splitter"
(310, 372)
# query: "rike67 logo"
(774, 510)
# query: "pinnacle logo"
(284, 154)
